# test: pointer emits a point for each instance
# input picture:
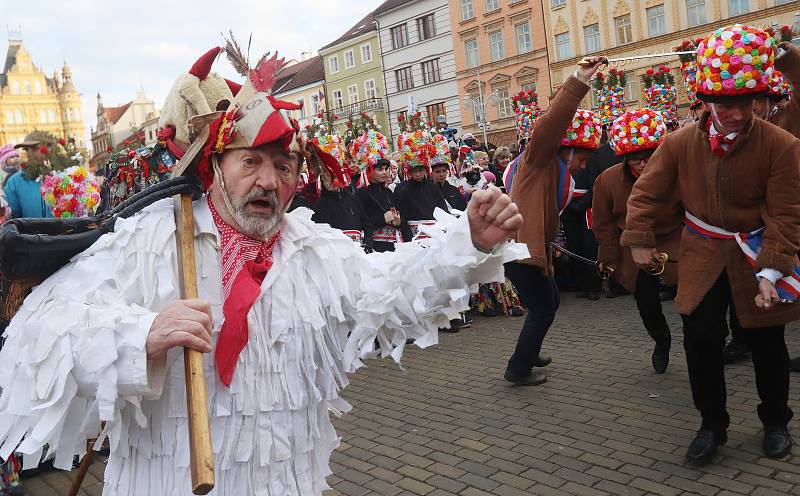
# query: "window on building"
(503, 103)
(478, 114)
(595, 99)
(739, 7)
(20, 117)
(563, 47)
(37, 87)
(426, 27)
(471, 50)
(631, 90)
(51, 114)
(349, 59)
(28, 90)
(399, 36)
(656, 20)
(492, 5)
(301, 112)
(15, 87)
(529, 86)
(434, 110)
(315, 106)
(430, 71)
(338, 100)
(366, 53)
(404, 78)
(781, 2)
(333, 64)
(352, 93)
(558, 3)
(496, 46)
(43, 116)
(524, 42)
(622, 24)
(9, 117)
(591, 35)
(370, 91)
(696, 12)
(467, 11)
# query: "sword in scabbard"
(604, 270)
(622, 60)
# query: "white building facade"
(418, 62)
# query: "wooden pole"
(81, 474)
(201, 456)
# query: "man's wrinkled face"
(418, 174)
(730, 117)
(439, 174)
(380, 175)
(260, 184)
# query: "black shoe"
(543, 360)
(455, 326)
(467, 317)
(794, 364)
(777, 442)
(582, 294)
(489, 312)
(516, 312)
(660, 357)
(705, 445)
(593, 296)
(532, 379)
(734, 351)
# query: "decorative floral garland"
(71, 193)
(611, 95)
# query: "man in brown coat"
(737, 178)
(540, 182)
(634, 136)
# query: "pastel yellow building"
(29, 100)
(620, 28)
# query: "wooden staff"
(201, 456)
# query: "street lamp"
(478, 104)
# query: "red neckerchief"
(633, 171)
(245, 263)
(720, 144)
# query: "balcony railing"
(368, 105)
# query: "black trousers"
(540, 294)
(649, 305)
(703, 339)
(580, 240)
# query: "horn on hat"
(233, 86)
(202, 67)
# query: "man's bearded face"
(260, 184)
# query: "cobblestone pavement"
(604, 423)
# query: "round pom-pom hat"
(637, 131)
(734, 63)
(583, 132)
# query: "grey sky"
(114, 46)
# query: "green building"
(354, 75)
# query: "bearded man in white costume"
(287, 308)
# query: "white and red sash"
(387, 234)
(578, 193)
(788, 287)
(356, 236)
(415, 228)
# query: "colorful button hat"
(779, 87)
(584, 132)
(660, 94)
(734, 62)
(526, 108)
(610, 94)
(637, 131)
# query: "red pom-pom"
(62, 142)
(43, 150)
(108, 149)
(650, 72)
(131, 153)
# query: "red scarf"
(720, 144)
(245, 263)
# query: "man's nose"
(267, 178)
